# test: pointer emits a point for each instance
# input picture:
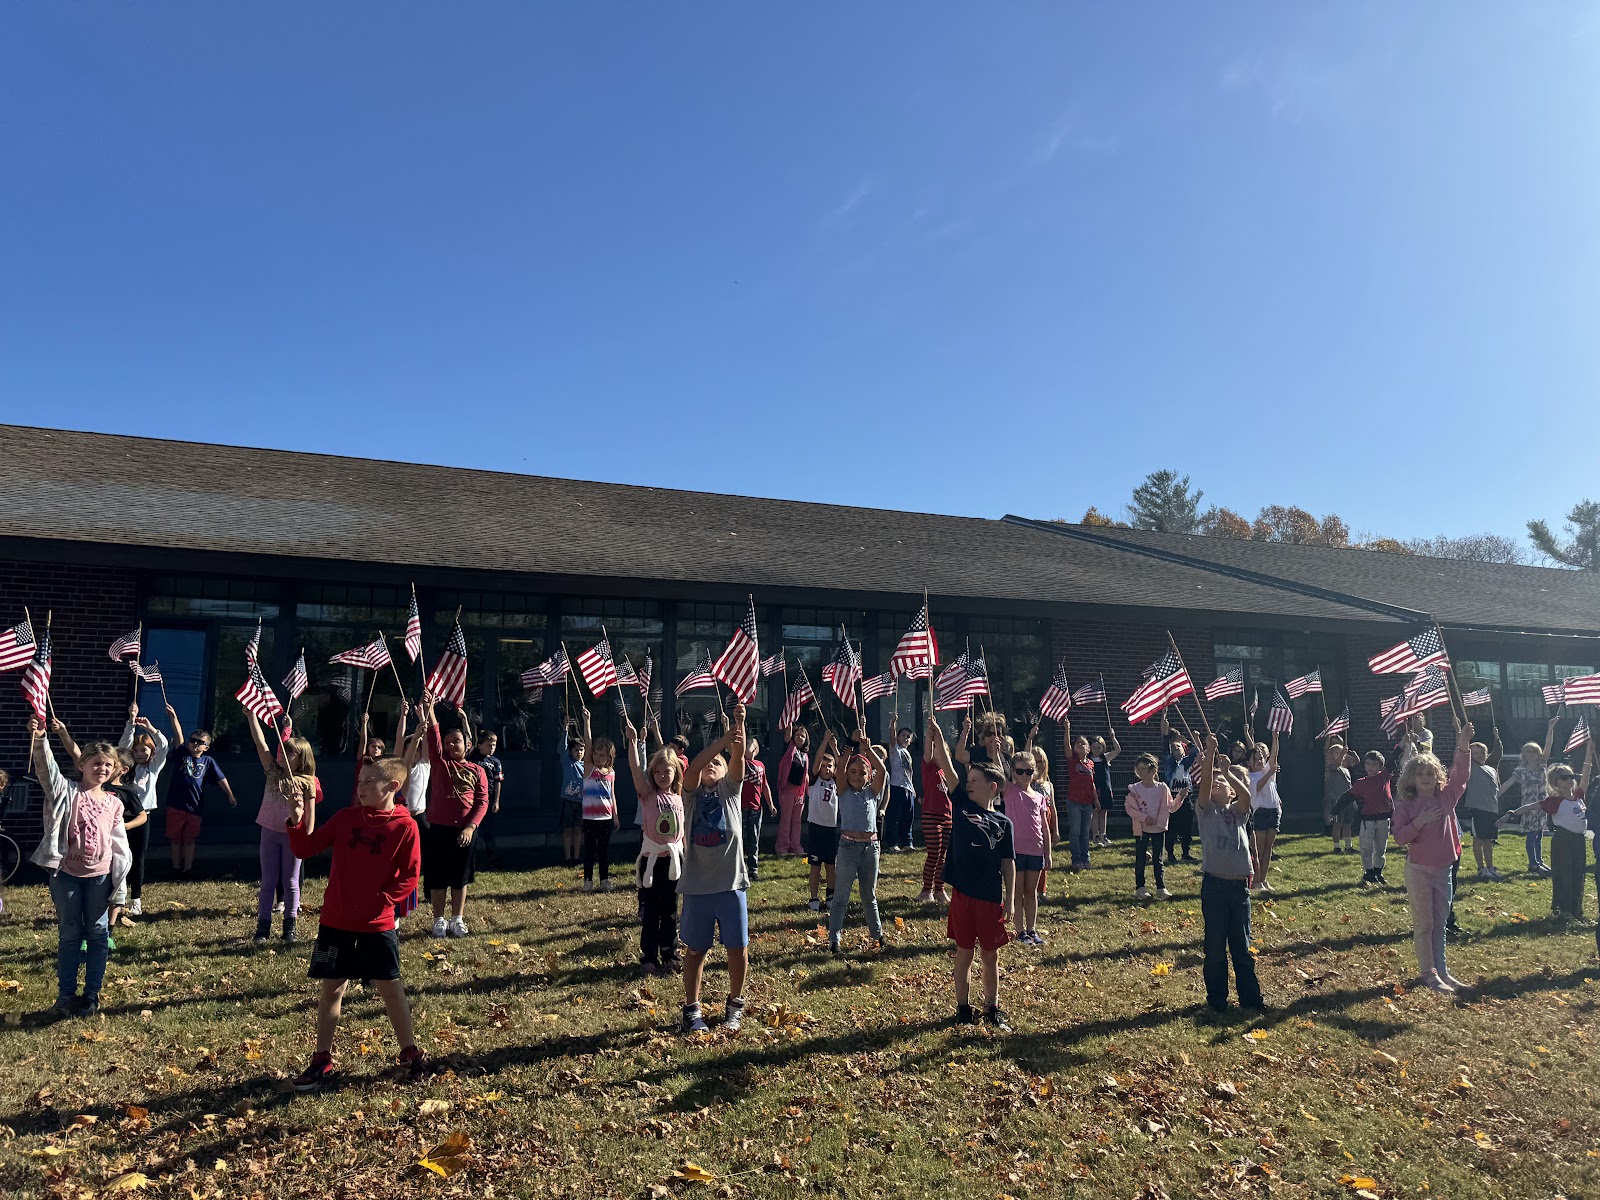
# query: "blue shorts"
(723, 913)
(1030, 862)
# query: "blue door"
(181, 656)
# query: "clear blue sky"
(958, 257)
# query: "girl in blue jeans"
(85, 852)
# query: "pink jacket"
(1437, 843)
(1149, 805)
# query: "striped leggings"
(936, 840)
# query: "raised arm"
(1208, 770)
(1272, 755)
(636, 760)
(938, 751)
(588, 744)
(125, 742)
(1240, 779)
(59, 727)
(1496, 750)
(1113, 747)
(400, 723)
(963, 752)
(57, 790)
(736, 744)
(177, 726)
(1549, 738)
(1588, 769)
(691, 773)
(263, 752)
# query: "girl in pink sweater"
(1425, 823)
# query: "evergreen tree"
(1163, 502)
(1581, 548)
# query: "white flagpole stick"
(392, 667)
(1173, 642)
(421, 662)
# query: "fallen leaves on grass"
(448, 1157)
(694, 1172)
(433, 1107)
(1161, 969)
(129, 1181)
(1258, 1035)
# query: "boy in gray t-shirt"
(1222, 808)
(714, 877)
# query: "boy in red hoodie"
(376, 862)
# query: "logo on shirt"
(710, 820)
(374, 844)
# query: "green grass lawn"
(565, 1073)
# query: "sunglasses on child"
(1022, 770)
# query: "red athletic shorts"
(972, 922)
(182, 826)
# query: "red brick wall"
(91, 609)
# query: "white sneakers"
(924, 897)
(457, 927)
(1142, 894)
(441, 927)
(135, 908)
(1163, 893)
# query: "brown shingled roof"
(170, 494)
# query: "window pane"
(229, 735)
(1567, 671)
(1473, 675)
(517, 718)
(1524, 690)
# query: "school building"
(200, 542)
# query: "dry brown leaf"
(448, 1157)
(433, 1107)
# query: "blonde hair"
(1562, 768)
(392, 769)
(300, 757)
(669, 756)
(1534, 747)
(91, 749)
(1408, 777)
(1041, 764)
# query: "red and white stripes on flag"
(1581, 689)
(799, 696)
(1392, 714)
(448, 681)
(739, 665)
(1553, 696)
(1229, 683)
(1413, 654)
(699, 679)
(1304, 686)
(1057, 699)
(596, 667)
(150, 673)
(1427, 689)
(414, 629)
(1165, 682)
(36, 678)
(626, 675)
(645, 672)
(1580, 736)
(1091, 693)
(252, 648)
(1280, 717)
(1338, 725)
(1477, 699)
(374, 656)
(257, 695)
(297, 681)
(917, 653)
(16, 646)
(963, 681)
(126, 646)
(877, 687)
(772, 664)
(843, 673)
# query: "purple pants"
(280, 875)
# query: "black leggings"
(597, 848)
(1148, 843)
(138, 842)
(658, 915)
(1181, 830)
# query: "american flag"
(414, 629)
(1413, 654)
(799, 696)
(150, 673)
(699, 679)
(1580, 736)
(1581, 689)
(256, 695)
(626, 675)
(36, 678)
(1057, 700)
(1280, 717)
(844, 672)
(553, 669)
(252, 649)
(1091, 693)
(644, 675)
(1392, 711)
(1427, 689)
(449, 678)
(1255, 703)
(961, 682)
(1553, 694)
(1338, 725)
(374, 656)
(918, 652)
(1165, 683)
(1229, 683)
(772, 664)
(16, 646)
(1304, 686)
(126, 646)
(739, 665)
(596, 667)
(296, 681)
(877, 687)
(1476, 699)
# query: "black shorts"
(1483, 825)
(444, 863)
(343, 954)
(822, 843)
(572, 814)
(1266, 820)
